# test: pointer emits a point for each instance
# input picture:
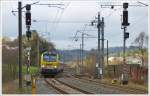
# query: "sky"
(59, 24)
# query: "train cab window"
(49, 58)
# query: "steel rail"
(70, 86)
(56, 88)
(126, 89)
(76, 88)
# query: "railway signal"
(28, 15)
(28, 20)
(28, 34)
(126, 35)
(125, 18)
(28, 75)
(125, 15)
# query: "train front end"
(50, 64)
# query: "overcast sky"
(72, 17)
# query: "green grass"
(33, 70)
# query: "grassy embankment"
(33, 70)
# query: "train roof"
(51, 52)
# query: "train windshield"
(49, 58)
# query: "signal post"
(126, 35)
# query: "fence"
(135, 71)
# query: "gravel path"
(90, 86)
(43, 88)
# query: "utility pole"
(81, 48)
(82, 52)
(107, 53)
(77, 64)
(99, 49)
(99, 61)
(102, 55)
(80, 57)
(20, 42)
(38, 51)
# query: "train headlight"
(43, 66)
(55, 66)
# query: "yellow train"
(50, 63)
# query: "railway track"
(118, 87)
(64, 88)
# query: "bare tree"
(142, 43)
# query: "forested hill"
(69, 55)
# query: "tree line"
(10, 53)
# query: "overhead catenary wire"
(60, 16)
(133, 25)
(57, 21)
(66, 22)
(56, 16)
(52, 5)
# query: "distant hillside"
(69, 55)
(114, 50)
